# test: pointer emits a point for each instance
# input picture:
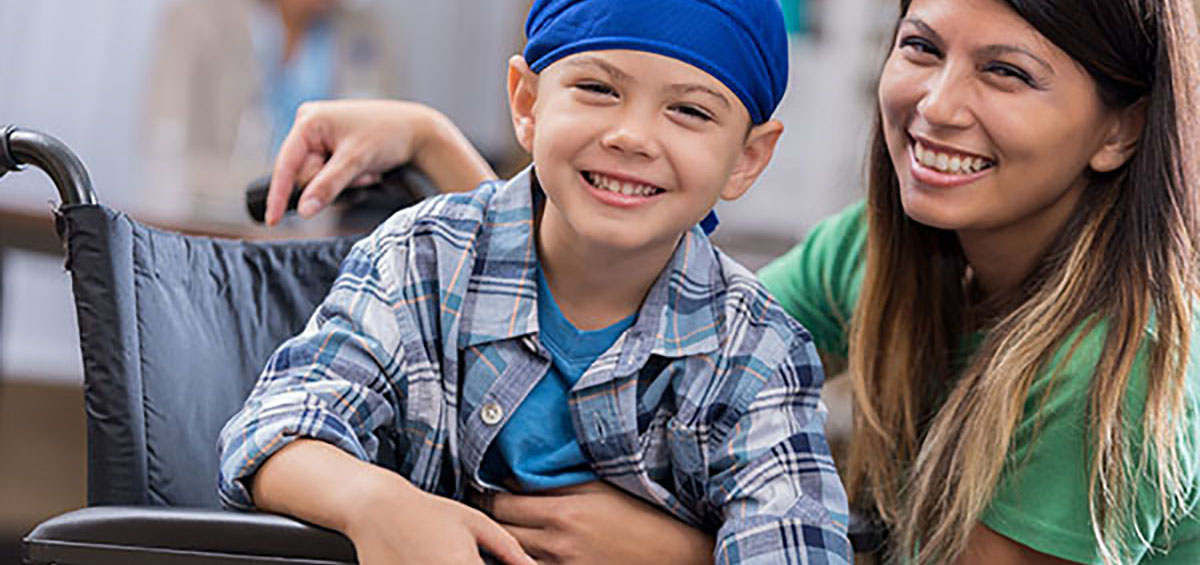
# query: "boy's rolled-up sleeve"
(333, 382)
(773, 478)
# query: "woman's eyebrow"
(1005, 49)
(924, 27)
(988, 51)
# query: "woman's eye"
(693, 112)
(919, 45)
(1007, 71)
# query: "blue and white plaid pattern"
(707, 407)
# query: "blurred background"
(175, 105)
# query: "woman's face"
(990, 126)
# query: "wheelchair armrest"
(139, 534)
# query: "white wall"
(73, 69)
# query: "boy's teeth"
(620, 187)
(947, 163)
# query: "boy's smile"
(632, 149)
(620, 190)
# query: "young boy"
(571, 325)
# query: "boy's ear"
(756, 153)
(1121, 139)
(522, 94)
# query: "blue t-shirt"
(537, 447)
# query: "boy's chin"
(632, 239)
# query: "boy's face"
(634, 148)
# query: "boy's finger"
(530, 511)
(497, 541)
(366, 179)
(291, 157)
(534, 541)
(332, 178)
(312, 165)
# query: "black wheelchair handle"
(405, 180)
(20, 147)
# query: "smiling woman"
(1032, 189)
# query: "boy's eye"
(692, 112)
(918, 46)
(596, 88)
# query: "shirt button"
(491, 414)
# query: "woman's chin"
(929, 211)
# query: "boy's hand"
(336, 144)
(404, 525)
(598, 523)
(333, 145)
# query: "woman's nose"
(946, 101)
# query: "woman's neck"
(1001, 259)
(593, 285)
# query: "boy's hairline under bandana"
(741, 43)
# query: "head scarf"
(742, 43)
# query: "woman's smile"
(945, 167)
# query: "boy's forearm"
(448, 158)
(321, 484)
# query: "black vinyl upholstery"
(174, 331)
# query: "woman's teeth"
(620, 187)
(950, 163)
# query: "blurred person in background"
(225, 84)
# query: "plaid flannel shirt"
(708, 407)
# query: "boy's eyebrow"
(588, 60)
(690, 88)
(621, 76)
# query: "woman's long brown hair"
(932, 435)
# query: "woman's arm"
(337, 144)
(987, 546)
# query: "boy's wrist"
(371, 489)
(441, 151)
(432, 136)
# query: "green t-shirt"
(1041, 500)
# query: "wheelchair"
(174, 331)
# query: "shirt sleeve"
(1041, 499)
(773, 478)
(333, 382)
(817, 282)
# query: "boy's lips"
(620, 190)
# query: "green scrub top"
(1041, 499)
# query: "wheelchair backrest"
(174, 332)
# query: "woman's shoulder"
(817, 281)
(1042, 497)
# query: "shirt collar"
(680, 314)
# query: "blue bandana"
(742, 43)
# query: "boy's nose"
(632, 136)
